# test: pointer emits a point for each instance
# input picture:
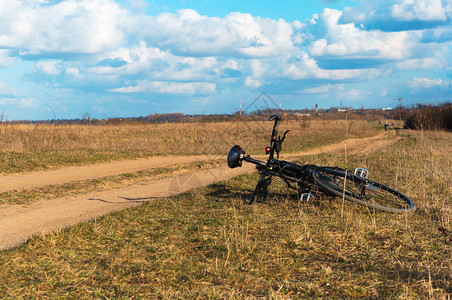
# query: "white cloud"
(425, 83)
(305, 67)
(421, 63)
(252, 83)
(87, 26)
(73, 71)
(3, 87)
(298, 25)
(7, 91)
(177, 88)
(100, 45)
(5, 59)
(48, 67)
(137, 5)
(351, 94)
(187, 46)
(349, 40)
(336, 91)
(258, 69)
(324, 89)
(424, 10)
(237, 34)
(20, 102)
(314, 19)
(156, 64)
(28, 103)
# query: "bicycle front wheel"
(261, 189)
(362, 191)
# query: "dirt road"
(19, 223)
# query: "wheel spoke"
(362, 191)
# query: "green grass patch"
(16, 162)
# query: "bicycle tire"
(362, 191)
(261, 190)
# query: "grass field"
(206, 243)
(33, 147)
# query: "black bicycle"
(308, 179)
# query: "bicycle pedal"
(306, 197)
(371, 187)
(361, 172)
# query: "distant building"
(386, 108)
(298, 114)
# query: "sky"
(70, 59)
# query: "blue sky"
(130, 58)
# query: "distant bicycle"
(308, 179)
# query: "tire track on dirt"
(10, 182)
(18, 223)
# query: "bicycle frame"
(333, 181)
(287, 171)
(274, 167)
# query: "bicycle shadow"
(128, 200)
(222, 192)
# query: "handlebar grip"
(275, 126)
(273, 141)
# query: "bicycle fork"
(261, 187)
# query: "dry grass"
(31, 147)
(207, 244)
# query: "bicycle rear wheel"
(362, 191)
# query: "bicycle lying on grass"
(334, 181)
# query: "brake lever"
(284, 136)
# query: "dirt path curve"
(19, 223)
(10, 182)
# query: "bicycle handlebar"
(254, 161)
(274, 135)
(237, 154)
